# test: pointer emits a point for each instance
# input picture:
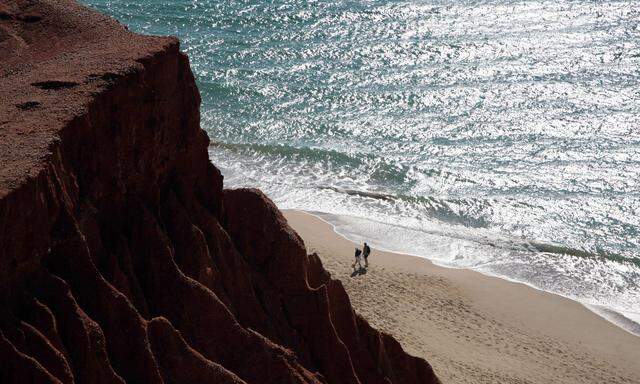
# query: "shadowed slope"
(121, 258)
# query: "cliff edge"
(122, 259)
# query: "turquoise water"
(502, 136)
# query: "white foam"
(454, 253)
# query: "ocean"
(501, 136)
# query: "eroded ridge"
(122, 259)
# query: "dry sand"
(474, 328)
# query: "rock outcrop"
(122, 259)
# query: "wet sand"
(474, 328)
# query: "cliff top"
(60, 55)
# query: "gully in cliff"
(122, 257)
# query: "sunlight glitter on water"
(500, 136)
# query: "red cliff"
(122, 259)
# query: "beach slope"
(475, 328)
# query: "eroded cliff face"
(122, 259)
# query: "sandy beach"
(474, 328)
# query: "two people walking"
(362, 254)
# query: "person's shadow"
(359, 271)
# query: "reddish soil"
(122, 259)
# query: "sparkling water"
(501, 136)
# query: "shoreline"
(616, 318)
(475, 327)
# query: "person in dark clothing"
(365, 253)
(358, 261)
